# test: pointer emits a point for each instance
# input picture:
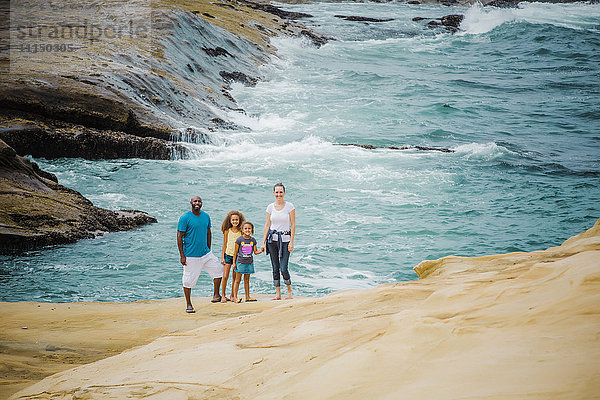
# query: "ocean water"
(515, 94)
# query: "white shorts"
(194, 266)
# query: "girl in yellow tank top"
(231, 231)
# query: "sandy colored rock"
(511, 326)
(40, 339)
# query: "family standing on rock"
(194, 239)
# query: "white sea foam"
(481, 151)
(479, 19)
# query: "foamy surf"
(479, 19)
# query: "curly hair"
(227, 220)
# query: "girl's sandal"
(251, 299)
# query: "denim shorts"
(245, 268)
(228, 259)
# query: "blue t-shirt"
(195, 228)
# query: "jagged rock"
(452, 20)
(317, 39)
(422, 148)
(237, 76)
(36, 211)
(363, 19)
(275, 10)
(217, 51)
(449, 22)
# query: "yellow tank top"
(231, 236)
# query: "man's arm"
(180, 247)
(208, 237)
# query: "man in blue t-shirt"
(194, 240)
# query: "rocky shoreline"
(37, 211)
(132, 96)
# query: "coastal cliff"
(517, 325)
(127, 79)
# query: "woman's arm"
(292, 230)
(266, 232)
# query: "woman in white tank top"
(278, 238)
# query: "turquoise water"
(516, 94)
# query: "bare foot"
(224, 299)
(289, 297)
(276, 298)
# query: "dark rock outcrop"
(422, 148)
(357, 18)
(36, 211)
(449, 22)
(271, 9)
(42, 137)
(237, 76)
(514, 3)
(317, 39)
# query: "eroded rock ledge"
(36, 211)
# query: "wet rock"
(449, 22)
(237, 76)
(421, 148)
(66, 99)
(515, 3)
(274, 10)
(317, 39)
(452, 20)
(36, 211)
(41, 137)
(356, 18)
(217, 51)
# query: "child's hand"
(223, 260)
(235, 267)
